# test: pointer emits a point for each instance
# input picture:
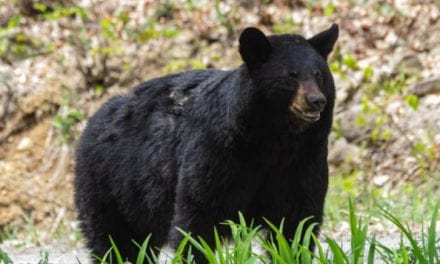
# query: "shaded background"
(60, 60)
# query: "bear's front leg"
(309, 190)
(198, 220)
(202, 202)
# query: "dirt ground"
(57, 254)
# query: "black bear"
(192, 149)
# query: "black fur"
(190, 150)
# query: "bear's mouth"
(309, 116)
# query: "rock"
(380, 180)
(408, 65)
(25, 144)
(342, 152)
(426, 87)
(349, 127)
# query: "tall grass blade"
(222, 254)
(103, 260)
(358, 235)
(339, 257)
(298, 235)
(271, 248)
(78, 261)
(245, 246)
(306, 255)
(432, 234)
(372, 250)
(322, 258)
(44, 257)
(178, 257)
(209, 253)
(193, 241)
(143, 251)
(415, 247)
(116, 251)
(403, 256)
(201, 246)
(286, 254)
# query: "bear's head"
(290, 73)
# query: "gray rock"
(349, 127)
(342, 152)
(408, 65)
(426, 87)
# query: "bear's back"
(130, 144)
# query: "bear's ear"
(325, 41)
(254, 47)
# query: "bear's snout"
(316, 101)
(309, 101)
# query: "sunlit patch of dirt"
(35, 177)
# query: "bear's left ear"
(254, 47)
(325, 41)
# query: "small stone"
(380, 180)
(350, 129)
(24, 144)
(426, 87)
(342, 151)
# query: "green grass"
(349, 182)
(364, 248)
(4, 257)
(423, 248)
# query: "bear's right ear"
(254, 47)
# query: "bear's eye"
(293, 74)
(318, 75)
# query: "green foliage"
(341, 187)
(287, 26)
(329, 9)
(59, 11)
(4, 258)
(424, 154)
(297, 251)
(358, 236)
(394, 85)
(99, 89)
(344, 65)
(412, 100)
(423, 248)
(63, 123)
(350, 62)
(112, 34)
(68, 116)
(44, 257)
(142, 256)
(424, 252)
(116, 251)
(368, 73)
(14, 22)
(354, 181)
(17, 44)
(181, 65)
(224, 253)
(226, 17)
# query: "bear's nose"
(316, 101)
